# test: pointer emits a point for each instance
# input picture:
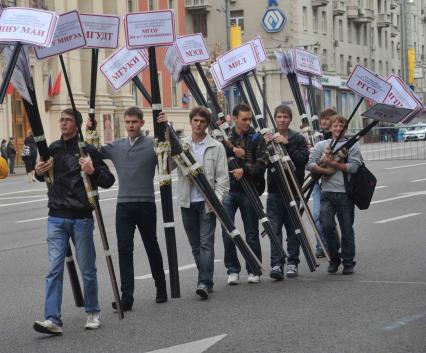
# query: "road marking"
(406, 166)
(22, 202)
(397, 218)
(192, 347)
(418, 180)
(30, 220)
(19, 197)
(381, 187)
(403, 321)
(22, 191)
(181, 268)
(404, 196)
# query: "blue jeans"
(279, 216)
(316, 195)
(59, 231)
(231, 202)
(339, 203)
(199, 227)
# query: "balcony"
(364, 15)
(394, 31)
(198, 5)
(383, 20)
(394, 4)
(339, 7)
(318, 3)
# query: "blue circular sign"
(274, 20)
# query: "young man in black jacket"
(277, 211)
(70, 216)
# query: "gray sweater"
(335, 182)
(135, 167)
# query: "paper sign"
(69, 35)
(413, 115)
(304, 80)
(237, 61)
(149, 29)
(307, 62)
(260, 50)
(173, 62)
(192, 48)
(384, 112)
(123, 65)
(368, 85)
(31, 26)
(217, 77)
(101, 31)
(400, 95)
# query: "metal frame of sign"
(102, 15)
(180, 54)
(62, 52)
(161, 44)
(406, 89)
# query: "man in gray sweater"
(135, 160)
(334, 199)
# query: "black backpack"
(360, 187)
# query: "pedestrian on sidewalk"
(11, 154)
(29, 156)
(3, 149)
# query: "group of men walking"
(70, 214)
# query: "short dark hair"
(75, 114)
(242, 107)
(284, 109)
(328, 113)
(134, 111)
(202, 112)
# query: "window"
(349, 32)
(174, 94)
(393, 49)
(341, 30)
(315, 15)
(199, 23)
(171, 4)
(130, 6)
(373, 64)
(342, 63)
(324, 57)
(323, 22)
(358, 35)
(237, 18)
(365, 35)
(305, 17)
(379, 37)
(386, 39)
(150, 5)
(38, 4)
(358, 60)
(387, 68)
(365, 62)
(381, 66)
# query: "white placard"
(260, 49)
(149, 29)
(384, 112)
(69, 35)
(237, 61)
(192, 48)
(413, 115)
(218, 79)
(101, 31)
(123, 65)
(400, 95)
(173, 62)
(31, 26)
(307, 62)
(368, 85)
(304, 80)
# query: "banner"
(101, 31)
(307, 62)
(237, 61)
(400, 94)
(123, 65)
(387, 113)
(367, 84)
(149, 29)
(69, 35)
(192, 48)
(173, 62)
(27, 25)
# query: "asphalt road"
(381, 308)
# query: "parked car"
(415, 133)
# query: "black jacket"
(299, 155)
(254, 163)
(67, 196)
(11, 150)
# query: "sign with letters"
(307, 62)
(237, 61)
(304, 80)
(367, 84)
(400, 95)
(384, 112)
(149, 29)
(192, 48)
(123, 65)
(101, 31)
(69, 35)
(173, 62)
(27, 25)
(217, 78)
(260, 50)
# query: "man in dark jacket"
(70, 216)
(276, 209)
(11, 154)
(249, 148)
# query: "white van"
(415, 133)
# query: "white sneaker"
(233, 278)
(253, 279)
(47, 326)
(291, 270)
(93, 321)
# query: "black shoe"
(210, 290)
(124, 306)
(348, 269)
(333, 266)
(319, 254)
(277, 273)
(161, 295)
(202, 292)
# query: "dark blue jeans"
(144, 216)
(279, 216)
(231, 203)
(338, 203)
(199, 227)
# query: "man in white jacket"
(198, 219)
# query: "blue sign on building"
(274, 19)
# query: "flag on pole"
(9, 89)
(57, 87)
(50, 88)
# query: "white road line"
(397, 218)
(403, 321)
(381, 187)
(406, 166)
(411, 194)
(418, 180)
(181, 268)
(22, 191)
(192, 347)
(30, 220)
(20, 197)
(22, 202)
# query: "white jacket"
(215, 168)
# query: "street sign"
(274, 20)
